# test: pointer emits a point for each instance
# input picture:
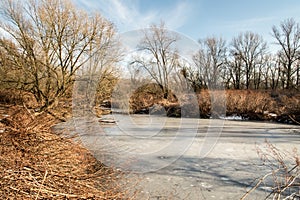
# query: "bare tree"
(235, 69)
(194, 77)
(250, 48)
(158, 55)
(53, 40)
(298, 73)
(266, 72)
(6, 67)
(275, 74)
(260, 72)
(210, 59)
(287, 36)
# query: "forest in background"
(47, 45)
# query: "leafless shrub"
(284, 175)
(251, 103)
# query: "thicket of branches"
(46, 42)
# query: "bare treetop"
(287, 36)
(54, 40)
(161, 57)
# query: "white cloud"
(127, 15)
(178, 16)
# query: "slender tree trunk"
(297, 78)
(288, 78)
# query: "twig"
(293, 168)
(291, 183)
(288, 197)
(256, 186)
(24, 105)
(55, 193)
(295, 121)
(37, 195)
(61, 194)
(18, 190)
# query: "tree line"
(46, 43)
(246, 62)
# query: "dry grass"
(254, 105)
(281, 106)
(37, 164)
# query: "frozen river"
(185, 158)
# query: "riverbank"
(35, 163)
(255, 105)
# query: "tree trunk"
(297, 78)
(288, 81)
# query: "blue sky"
(198, 18)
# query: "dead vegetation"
(284, 176)
(37, 164)
(278, 106)
(17, 97)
